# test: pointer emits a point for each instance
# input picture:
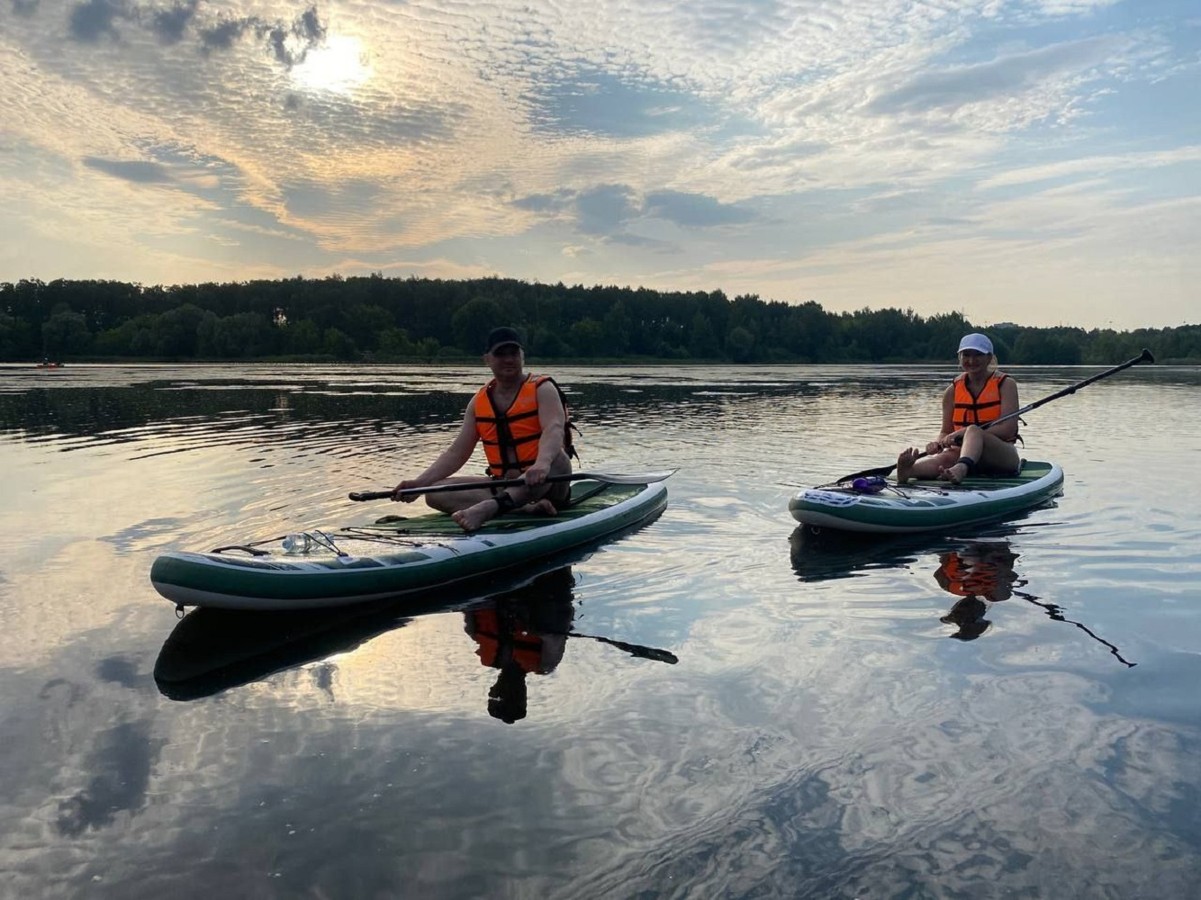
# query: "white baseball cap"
(977, 342)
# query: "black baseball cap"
(499, 337)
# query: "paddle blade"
(878, 472)
(658, 655)
(643, 478)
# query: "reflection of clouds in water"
(793, 796)
(119, 764)
(740, 770)
(926, 796)
(120, 670)
(77, 766)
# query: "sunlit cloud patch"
(798, 149)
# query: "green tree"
(427, 349)
(702, 341)
(588, 337)
(616, 330)
(472, 322)
(394, 343)
(366, 322)
(338, 344)
(174, 332)
(65, 333)
(546, 342)
(740, 344)
(303, 338)
(1038, 346)
(14, 337)
(240, 336)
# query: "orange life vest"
(990, 577)
(511, 436)
(964, 579)
(500, 643)
(980, 409)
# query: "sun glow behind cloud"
(339, 66)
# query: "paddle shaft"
(1056, 613)
(1145, 356)
(648, 478)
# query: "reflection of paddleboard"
(819, 555)
(318, 569)
(928, 505)
(212, 650)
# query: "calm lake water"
(841, 721)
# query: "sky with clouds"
(1034, 161)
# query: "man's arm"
(452, 458)
(552, 420)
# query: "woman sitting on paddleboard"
(978, 396)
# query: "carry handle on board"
(644, 478)
(1145, 356)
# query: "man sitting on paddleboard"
(522, 420)
(976, 397)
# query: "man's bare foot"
(541, 507)
(905, 464)
(955, 473)
(473, 517)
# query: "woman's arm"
(1008, 429)
(948, 422)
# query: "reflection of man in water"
(977, 572)
(522, 633)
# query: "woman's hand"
(950, 441)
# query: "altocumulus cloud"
(963, 85)
(694, 210)
(608, 208)
(170, 24)
(137, 171)
(593, 101)
(597, 211)
(288, 42)
(94, 19)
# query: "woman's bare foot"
(955, 473)
(905, 464)
(473, 517)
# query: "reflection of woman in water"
(520, 633)
(983, 571)
(976, 572)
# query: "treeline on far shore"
(379, 319)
